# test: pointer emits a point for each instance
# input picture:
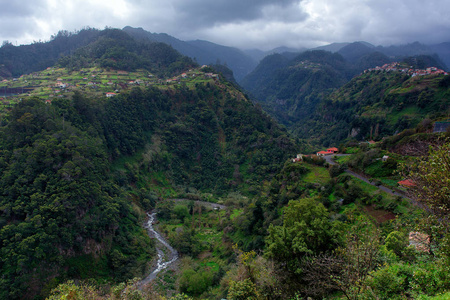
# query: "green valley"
(118, 131)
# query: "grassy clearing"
(351, 150)
(317, 175)
(235, 213)
(444, 296)
(342, 159)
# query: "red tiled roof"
(406, 182)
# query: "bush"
(242, 290)
(181, 211)
(390, 282)
(335, 170)
(396, 242)
(430, 279)
(195, 282)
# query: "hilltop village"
(409, 70)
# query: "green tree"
(242, 290)
(430, 177)
(306, 230)
(396, 241)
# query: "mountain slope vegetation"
(375, 105)
(77, 175)
(24, 59)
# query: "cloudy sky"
(263, 24)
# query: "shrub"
(396, 242)
(242, 290)
(390, 282)
(430, 279)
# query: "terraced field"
(54, 83)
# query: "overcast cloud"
(263, 24)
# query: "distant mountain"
(371, 60)
(258, 55)
(117, 50)
(294, 90)
(425, 61)
(443, 50)
(109, 48)
(264, 73)
(334, 47)
(411, 49)
(354, 51)
(203, 52)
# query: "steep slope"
(203, 52)
(377, 104)
(290, 89)
(263, 73)
(61, 213)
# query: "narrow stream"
(163, 260)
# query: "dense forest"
(58, 188)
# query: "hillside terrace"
(60, 83)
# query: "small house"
(333, 150)
(384, 158)
(298, 158)
(323, 153)
(109, 95)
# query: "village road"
(329, 159)
(205, 203)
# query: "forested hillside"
(108, 48)
(18, 60)
(290, 89)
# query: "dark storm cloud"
(206, 12)
(18, 9)
(17, 18)
(240, 23)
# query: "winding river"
(170, 255)
(164, 259)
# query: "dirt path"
(210, 204)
